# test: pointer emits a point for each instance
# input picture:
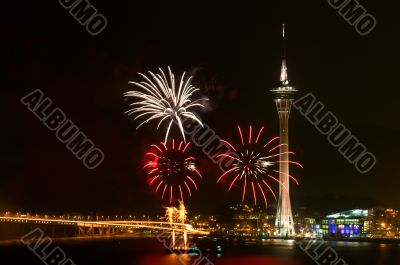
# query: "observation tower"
(283, 96)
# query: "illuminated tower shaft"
(284, 217)
(284, 94)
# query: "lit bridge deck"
(165, 226)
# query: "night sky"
(233, 49)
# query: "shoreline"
(15, 242)
(356, 240)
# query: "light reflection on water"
(285, 252)
(149, 251)
(170, 259)
(173, 259)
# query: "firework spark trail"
(254, 162)
(158, 98)
(169, 167)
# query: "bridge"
(107, 227)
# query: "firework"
(171, 171)
(161, 98)
(255, 165)
(173, 215)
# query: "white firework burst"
(160, 98)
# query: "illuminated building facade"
(375, 223)
(347, 224)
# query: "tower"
(283, 97)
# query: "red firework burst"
(171, 171)
(255, 164)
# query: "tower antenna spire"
(284, 40)
(284, 76)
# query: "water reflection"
(168, 259)
(149, 251)
(173, 259)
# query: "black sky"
(233, 48)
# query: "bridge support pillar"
(184, 239)
(173, 239)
